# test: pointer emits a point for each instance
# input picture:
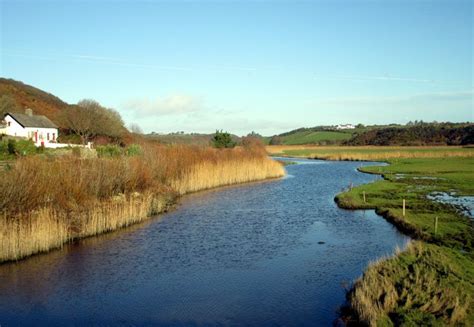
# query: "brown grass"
(47, 202)
(369, 153)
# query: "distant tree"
(255, 135)
(89, 119)
(252, 142)
(135, 128)
(276, 140)
(7, 104)
(222, 140)
(360, 126)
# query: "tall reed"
(49, 201)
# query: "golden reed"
(48, 202)
(368, 153)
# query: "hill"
(27, 96)
(318, 135)
(421, 134)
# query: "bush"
(133, 150)
(223, 140)
(11, 147)
(109, 151)
(276, 140)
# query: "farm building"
(39, 129)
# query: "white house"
(39, 129)
(346, 126)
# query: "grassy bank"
(369, 153)
(425, 285)
(432, 281)
(47, 201)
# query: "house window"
(54, 136)
(47, 137)
(9, 123)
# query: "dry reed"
(47, 202)
(368, 153)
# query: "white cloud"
(176, 104)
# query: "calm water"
(245, 255)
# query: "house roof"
(32, 121)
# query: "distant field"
(369, 152)
(315, 137)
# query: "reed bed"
(207, 175)
(370, 153)
(49, 201)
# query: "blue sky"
(268, 66)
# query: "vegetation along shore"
(431, 282)
(48, 200)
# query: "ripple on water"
(245, 255)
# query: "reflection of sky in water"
(244, 255)
(464, 203)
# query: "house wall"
(13, 128)
(45, 135)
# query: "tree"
(222, 140)
(89, 119)
(7, 104)
(254, 135)
(276, 140)
(135, 128)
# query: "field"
(315, 137)
(432, 281)
(369, 152)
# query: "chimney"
(29, 112)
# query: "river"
(263, 254)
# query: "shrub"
(11, 147)
(109, 151)
(223, 140)
(276, 140)
(133, 150)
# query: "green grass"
(402, 182)
(431, 283)
(310, 137)
(426, 285)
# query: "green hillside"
(315, 135)
(310, 137)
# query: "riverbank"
(432, 281)
(368, 153)
(47, 202)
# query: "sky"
(242, 66)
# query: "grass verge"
(432, 281)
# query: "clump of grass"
(51, 200)
(424, 285)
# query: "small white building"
(39, 129)
(345, 126)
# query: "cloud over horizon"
(174, 104)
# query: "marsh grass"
(423, 285)
(49, 201)
(370, 153)
(432, 282)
